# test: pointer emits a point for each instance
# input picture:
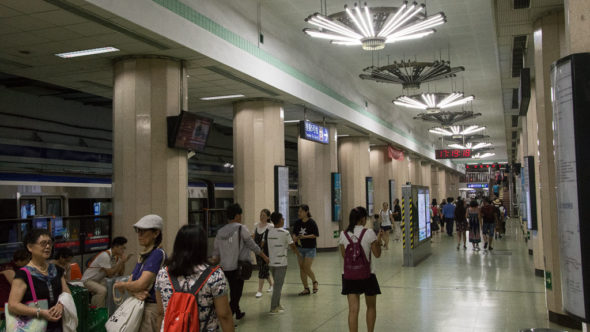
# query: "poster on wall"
(370, 192)
(391, 193)
(282, 192)
(336, 197)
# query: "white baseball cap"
(151, 221)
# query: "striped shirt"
(279, 240)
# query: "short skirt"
(369, 286)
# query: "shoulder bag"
(244, 266)
(25, 323)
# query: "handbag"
(24, 323)
(244, 266)
(127, 318)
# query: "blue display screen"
(313, 132)
(477, 185)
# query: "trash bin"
(81, 297)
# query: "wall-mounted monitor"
(188, 131)
(314, 132)
(336, 197)
(530, 192)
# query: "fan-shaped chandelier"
(410, 74)
(472, 146)
(469, 138)
(372, 28)
(433, 102)
(457, 130)
(483, 155)
(446, 118)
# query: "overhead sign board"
(314, 132)
(477, 185)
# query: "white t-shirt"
(384, 214)
(96, 271)
(368, 239)
(279, 240)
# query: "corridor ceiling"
(477, 36)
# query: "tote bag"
(24, 323)
(127, 318)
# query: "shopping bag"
(127, 318)
(97, 318)
(81, 297)
(27, 324)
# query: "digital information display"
(336, 197)
(188, 131)
(477, 185)
(453, 153)
(423, 215)
(282, 192)
(313, 132)
(370, 192)
(530, 193)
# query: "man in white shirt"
(109, 263)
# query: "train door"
(31, 206)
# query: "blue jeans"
(449, 222)
(307, 252)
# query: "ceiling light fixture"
(372, 28)
(433, 102)
(447, 118)
(476, 146)
(482, 156)
(222, 97)
(456, 130)
(93, 51)
(410, 74)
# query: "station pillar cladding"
(549, 46)
(316, 163)
(353, 163)
(148, 177)
(381, 171)
(259, 146)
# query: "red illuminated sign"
(453, 153)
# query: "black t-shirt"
(306, 228)
(397, 213)
(42, 290)
(489, 214)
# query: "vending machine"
(570, 93)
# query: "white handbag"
(127, 318)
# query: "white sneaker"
(258, 294)
(269, 290)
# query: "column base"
(540, 273)
(565, 320)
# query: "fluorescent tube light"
(291, 121)
(222, 97)
(93, 51)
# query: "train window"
(53, 206)
(28, 207)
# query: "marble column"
(259, 146)
(549, 45)
(577, 22)
(316, 163)
(401, 175)
(415, 170)
(382, 172)
(353, 163)
(148, 176)
(425, 168)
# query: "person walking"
(489, 216)
(47, 280)
(260, 237)
(386, 223)
(461, 220)
(305, 232)
(232, 243)
(279, 240)
(449, 215)
(397, 220)
(435, 213)
(474, 216)
(150, 260)
(443, 202)
(185, 267)
(354, 283)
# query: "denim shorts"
(488, 229)
(306, 252)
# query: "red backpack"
(182, 313)
(356, 264)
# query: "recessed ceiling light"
(222, 97)
(87, 52)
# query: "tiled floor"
(450, 291)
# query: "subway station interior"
(112, 110)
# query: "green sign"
(336, 234)
(548, 280)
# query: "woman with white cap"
(143, 277)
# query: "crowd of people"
(482, 218)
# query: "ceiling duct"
(524, 91)
(515, 121)
(518, 51)
(522, 4)
(515, 98)
(513, 135)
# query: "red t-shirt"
(434, 210)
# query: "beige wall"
(353, 163)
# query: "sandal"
(315, 287)
(305, 292)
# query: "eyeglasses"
(44, 244)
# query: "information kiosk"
(416, 224)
